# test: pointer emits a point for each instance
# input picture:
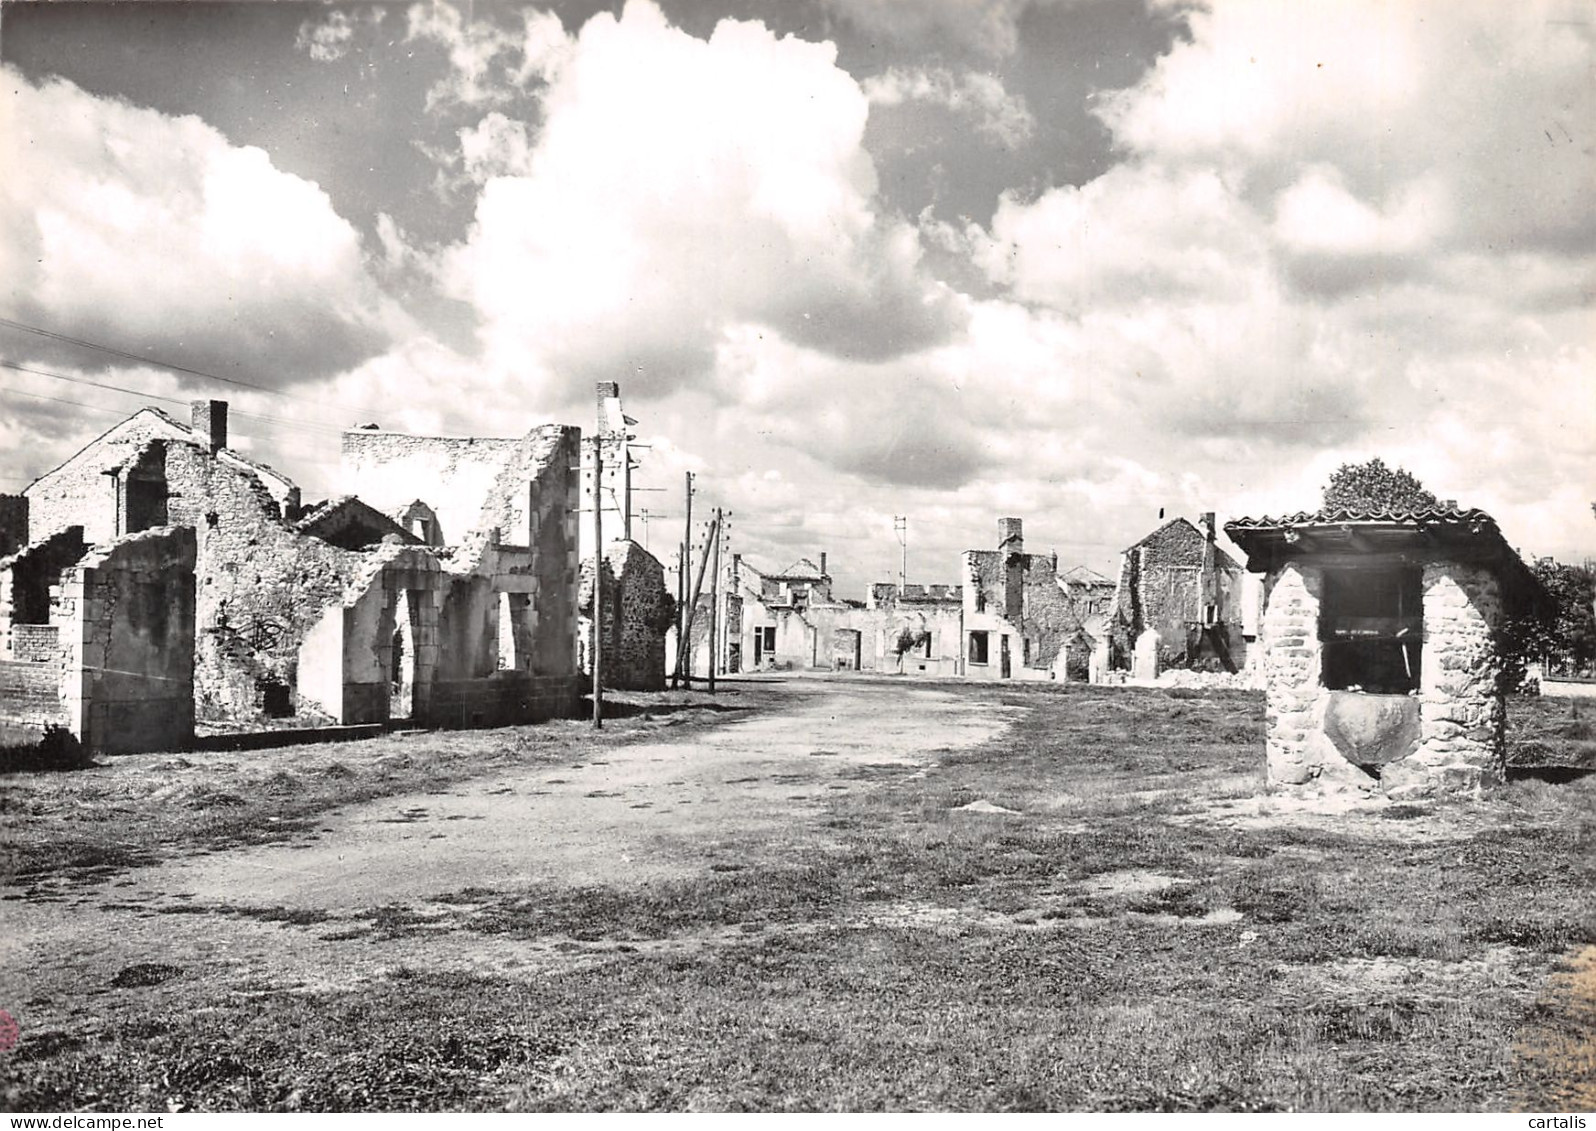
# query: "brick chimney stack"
(1011, 536)
(822, 563)
(1208, 525)
(209, 422)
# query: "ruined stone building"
(1016, 617)
(782, 621)
(331, 613)
(914, 629)
(1020, 618)
(1179, 601)
(537, 490)
(1377, 642)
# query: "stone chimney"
(1011, 537)
(1208, 525)
(822, 563)
(209, 421)
(609, 408)
(1011, 544)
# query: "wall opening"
(1371, 626)
(275, 699)
(980, 647)
(402, 677)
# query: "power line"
(301, 425)
(144, 359)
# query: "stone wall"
(1462, 709)
(638, 614)
(30, 582)
(126, 615)
(261, 586)
(470, 483)
(1291, 670)
(30, 700)
(80, 492)
(1162, 586)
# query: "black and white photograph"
(689, 556)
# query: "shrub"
(58, 749)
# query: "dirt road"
(271, 914)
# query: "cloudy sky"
(1073, 260)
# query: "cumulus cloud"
(125, 226)
(1314, 235)
(999, 116)
(731, 188)
(488, 62)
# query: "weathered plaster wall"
(126, 617)
(470, 483)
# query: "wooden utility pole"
(684, 666)
(692, 603)
(714, 609)
(597, 650)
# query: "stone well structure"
(1378, 646)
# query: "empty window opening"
(276, 701)
(402, 672)
(1371, 627)
(979, 647)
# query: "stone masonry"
(1462, 714)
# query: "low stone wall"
(505, 699)
(30, 700)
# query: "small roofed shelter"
(1379, 655)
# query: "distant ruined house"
(1177, 585)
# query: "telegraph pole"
(597, 650)
(684, 655)
(714, 609)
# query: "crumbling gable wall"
(261, 587)
(83, 491)
(1165, 583)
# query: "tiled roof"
(801, 570)
(1429, 516)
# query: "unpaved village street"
(642, 811)
(803, 893)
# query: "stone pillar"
(1461, 707)
(1097, 666)
(1291, 671)
(1144, 664)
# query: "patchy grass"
(134, 810)
(1545, 733)
(1139, 933)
